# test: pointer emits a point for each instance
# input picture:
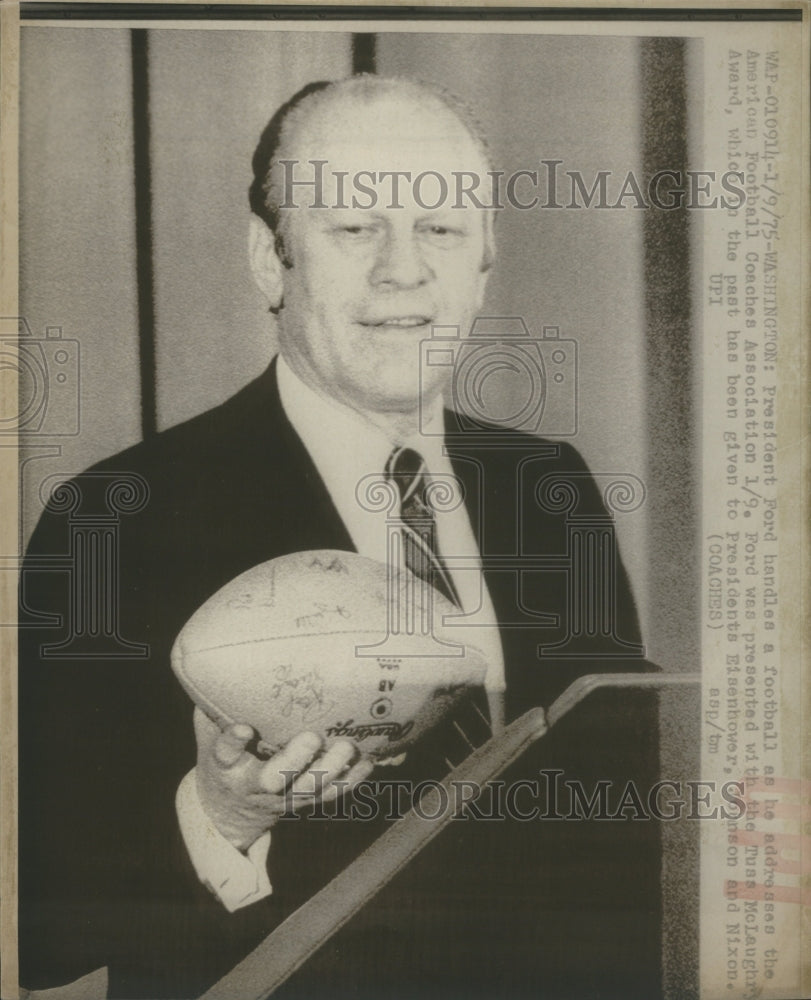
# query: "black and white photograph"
(402, 413)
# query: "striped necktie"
(406, 468)
(468, 726)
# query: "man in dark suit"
(122, 797)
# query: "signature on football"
(299, 693)
(321, 613)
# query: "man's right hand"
(244, 796)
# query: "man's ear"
(268, 270)
(488, 258)
(481, 285)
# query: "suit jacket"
(106, 735)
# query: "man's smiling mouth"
(399, 322)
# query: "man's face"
(367, 285)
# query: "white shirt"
(352, 450)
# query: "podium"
(556, 894)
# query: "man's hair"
(265, 157)
(265, 198)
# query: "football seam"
(278, 638)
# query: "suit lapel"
(299, 506)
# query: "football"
(328, 642)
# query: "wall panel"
(212, 93)
(575, 100)
(76, 244)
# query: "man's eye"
(443, 235)
(355, 229)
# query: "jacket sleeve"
(105, 878)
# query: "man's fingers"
(230, 745)
(225, 747)
(298, 753)
(322, 771)
(359, 772)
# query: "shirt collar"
(344, 446)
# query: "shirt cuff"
(236, 879)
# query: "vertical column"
(670, 376)
(364, 52)
(93, 565)
(674, 590)
(592, 564)
(139, 44)
(411, 600)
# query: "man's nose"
(400, 262)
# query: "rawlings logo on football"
(393, 730)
